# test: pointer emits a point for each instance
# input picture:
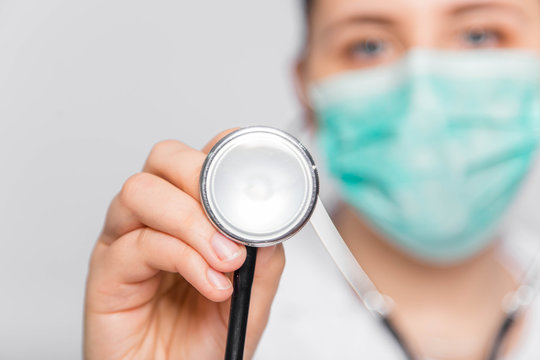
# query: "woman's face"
(353, 34)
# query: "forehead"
(328, 11)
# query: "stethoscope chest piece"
(259, 186)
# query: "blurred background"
(86, 88)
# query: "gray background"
(86, 88)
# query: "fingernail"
(218, 280)
(225, 249)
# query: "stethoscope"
(260, 186)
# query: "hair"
(308, 7)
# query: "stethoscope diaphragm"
(259, 186)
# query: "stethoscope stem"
(238, 316)
(389, 325)
(494, 351)
(501, 335)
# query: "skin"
(157, 285)
(444, 312)
(353, 34)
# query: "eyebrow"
(373, 19)
(466, 8)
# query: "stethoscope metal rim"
(204, 190)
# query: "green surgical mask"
(432, 149)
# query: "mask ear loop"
(378, 305)
(372, 299)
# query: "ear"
(301, 84)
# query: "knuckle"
(192, 220)
(163, 148)
(140, 238)
(189, 222)
(133, 187)
(224, 133)
(127, 243)
(196, 222)
(183, 254)
(199, 231)
(227, 132)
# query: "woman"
(378, 81)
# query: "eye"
(481, 38)
(368, 49)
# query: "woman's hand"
(157, 285)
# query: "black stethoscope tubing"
(495, 349)
(238, 316)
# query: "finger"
(180, 164)
(213, 142)
(122, 268)
(150, 200)
(177, 163)
(119, 221)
